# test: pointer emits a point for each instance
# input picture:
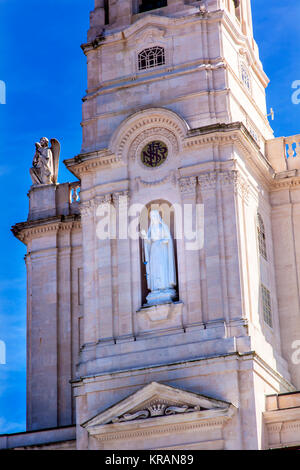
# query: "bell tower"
(165, 354)
(185, 75)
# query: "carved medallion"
(154, 154)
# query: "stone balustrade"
(284, 153)
(74, 193)
(292, 146)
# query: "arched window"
(151, 57)
(261, 237)
(266, 305)
(147, 5)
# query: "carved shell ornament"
(156, 409)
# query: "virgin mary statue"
(160, 261)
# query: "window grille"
(261, 234)
(152, 57)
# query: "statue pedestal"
(160, 317)
(158, 297)
(42, 201)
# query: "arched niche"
(168, 215)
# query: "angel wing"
(55, 148)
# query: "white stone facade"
(95, 354)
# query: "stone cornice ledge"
(199, 421)
(290, 417)
(289, 179)
(90, 161)
(233, 133)
(236, 134)
(27, 230)
(122, 34)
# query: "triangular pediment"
(148, 33)
(155, 400)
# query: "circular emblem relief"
(154, 154)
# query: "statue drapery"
(45, 162)
(160, 261)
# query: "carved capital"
(208, 180)
(86, 208)
(188, 184)
(232, 178)
(242, 188)
(103, 199)
(120, 199)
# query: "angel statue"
(45, 162)
(160, 261)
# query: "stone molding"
(283, 426)
(94, 160)
(24, 232)
(287, 183)
(149, 35)
(200, 426)
(144, 124)
(171, 178)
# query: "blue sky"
(45, 73)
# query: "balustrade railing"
(292, 146)
(74, 194)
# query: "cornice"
(169, 71)
(25, 231)
(91, 161)
(108, 37)
(109, 432)
(235, 134)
